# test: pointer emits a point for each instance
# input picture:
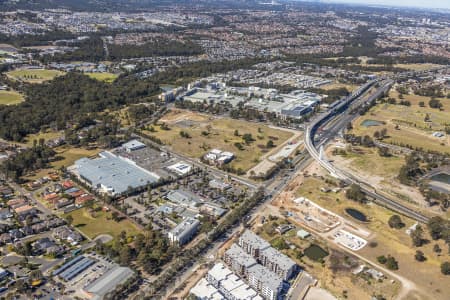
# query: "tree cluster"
(34, 158)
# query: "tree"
(422, 104)
(236, 133)
(419, 256)
(396, 222)
(35, 275)
(384, 152)
(124, 255)
(437, 249)
(445, 268)
(270, 144)
(391, 263)
(115, 216)
(69, 219)
(439, 228)
(355, 193)
(248, 138)
(417, 236)
(435, 103)
(21, 286)
(382, 259)
(89, 204)
(349, 126)
(280, 244)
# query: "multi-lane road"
(340, 116)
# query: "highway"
(340, 116)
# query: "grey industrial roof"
(240, 256)
(275, 256)
(185, 227)
(183, 197)
(108, 281)
(114, 172)
(133, 144)
(265, 276)
(255, 241)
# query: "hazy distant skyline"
(411, 3)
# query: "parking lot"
(150, 159)
(76, 285)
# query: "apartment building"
(278, 263)
(238, 260)
(252, 244)
(227, 284)
(268, 284)
(267, 256)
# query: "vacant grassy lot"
(10, 98)
(368, 159)
(208, 132)
(46, 135)
(106, 77)
(412, 128)
(337, 85)
(70, 154)
(100, 223)
(416, 67)
(34, 75)
(389, 241)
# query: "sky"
(412, 3)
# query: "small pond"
(356, 214)
(368, 123)
(315, 252)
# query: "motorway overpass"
(341, 109)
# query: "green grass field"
(10, 97)
(220, 135)
(412, 128)
(369, 159)
(35, 75)
(100, 224)
(106, 77)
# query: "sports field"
(34, 75)
(10, 98)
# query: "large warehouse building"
(111, 174)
